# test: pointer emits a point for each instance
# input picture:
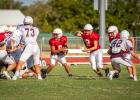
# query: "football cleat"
(110, 75)
(69, 75)
(100, 74)
(14, 77)
(116, 75)
(135, 79)
(106, 71)
(43, 76)
(39, 77)
(44, 71)
(7, 75)
(2, 76)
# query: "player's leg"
(128, 57)
(99, 60)
(62, 60)
(24, 56)
(134, 70)
(36, 60)
(115, 72)
(130, 66)
(50, 66)
(116, 61)
(52, 63)
(93, 63)
(11, 66)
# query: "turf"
(83, 85)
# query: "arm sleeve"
(64, 40)
(96, 36)
(51, 42)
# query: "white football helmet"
(125, 34)
(113, 29)
(58, 31)
(28, 20)
(88, 27)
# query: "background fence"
(75, 42)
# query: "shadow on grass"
(77, 77)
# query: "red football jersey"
(58, 43)
(3, 33)
(2, 39)
(117, 37)
(89, 39)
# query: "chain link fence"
(76, 43)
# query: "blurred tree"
(39, 13)
(10, 4)
(72, 15)
(125, 14)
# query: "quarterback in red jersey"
(58, 45)
(91, 41)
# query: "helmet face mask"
(111, 35)
(28, 20)
(112, 31)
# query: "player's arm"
(132, 40)
(135, 55)
(54, 51)
(12, 48)
(109, 51)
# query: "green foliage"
(125, 14)
(72, 15)
(10, 4)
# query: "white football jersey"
(29, 34)
(118, 45)
(16, 36)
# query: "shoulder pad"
(52, 41)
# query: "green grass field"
(83, 85)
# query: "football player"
(29, 36)
(113, 33)
(91, 41)
(5, 58)
(118, 48)
(58, 45)
(129, 56)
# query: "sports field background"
(83, 85)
